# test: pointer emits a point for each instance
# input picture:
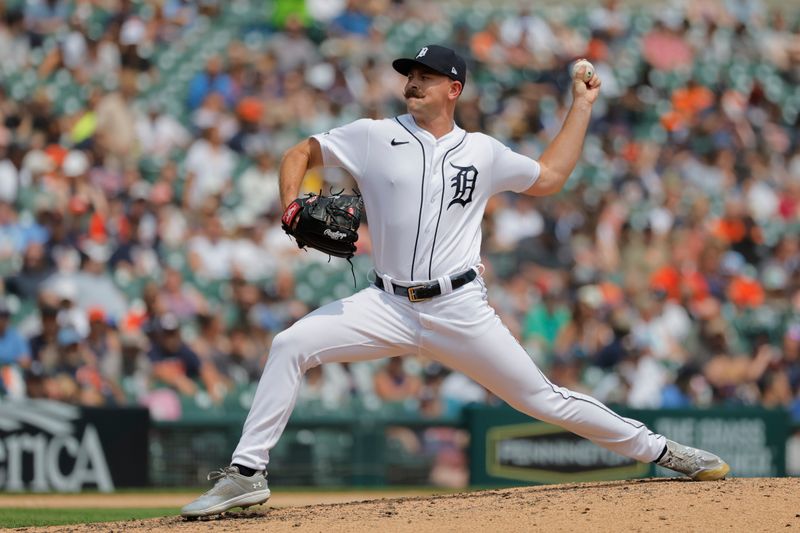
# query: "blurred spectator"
(353, 20)
(159, 133)
(133, 373)
(181, 299)
(210, 251)
(211, 344)
(209, 169)
(458, 390)
(211, 80)
(292, 47)
(44, 18)
(431, 403)
(103, 342)
(249, 258)
(82, 196)
(244, 362)
(394, 385)
(44, 345)
(99, 62)
(662, 327)
(545, 320)
(619, 346)
(258, 186)
(14, 348)
(176, 365)
(214, 113)
(15, 235)
(35, 269)
(324, 386)
(14, 40)
(91, 286)
(115, 132)
(9, 175)
(586, 332)
(76, 377)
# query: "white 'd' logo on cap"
(422, 52)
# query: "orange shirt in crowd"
(746, 292)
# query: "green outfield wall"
(46, 446)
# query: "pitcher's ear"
(456, 88)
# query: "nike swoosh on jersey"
(398, 143)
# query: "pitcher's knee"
(281, 343)
(290, 345)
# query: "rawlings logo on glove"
(335, 235)
(326, 223)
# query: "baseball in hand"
(576, 66)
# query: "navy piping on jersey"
(441, 204)
(421, 198)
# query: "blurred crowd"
(140, 243)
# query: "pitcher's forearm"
(296, 162)
(294, 166)
(561, 156)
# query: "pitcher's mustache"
(413, 93)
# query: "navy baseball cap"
(438, 58)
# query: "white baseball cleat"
(232, 489)
(699, 465)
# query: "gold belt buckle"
(412, 294)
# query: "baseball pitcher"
(425, 182)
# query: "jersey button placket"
(431, 186)
(424, 229)
(434, 190)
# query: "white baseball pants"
(459, 330)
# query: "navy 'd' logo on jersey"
(464, 184)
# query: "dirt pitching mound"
(642, 505)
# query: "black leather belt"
(428, 290)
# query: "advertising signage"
(508, 448)
(47, 446)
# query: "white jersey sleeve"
(512, 171)
(346, 146)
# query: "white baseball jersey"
(424, 196)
